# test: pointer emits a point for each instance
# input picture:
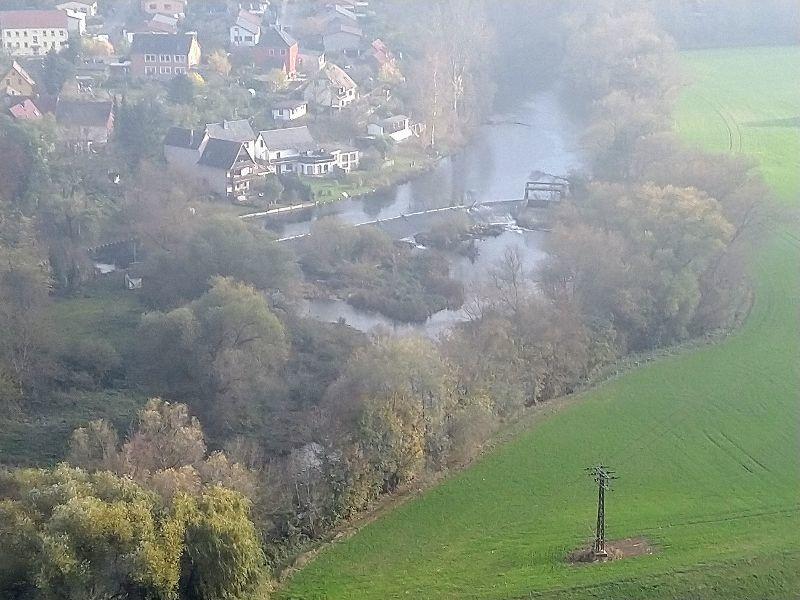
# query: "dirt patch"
(615, 550)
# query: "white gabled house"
(331, 88)
(246, 31)
(280, 149)
(289, 110)
(397, 128)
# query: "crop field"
(706, 443)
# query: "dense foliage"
(316, 420)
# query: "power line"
(603, 476)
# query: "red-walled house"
(277, 50)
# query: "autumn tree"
(394, 399)
(166, 452)
(65, 533)
(182, 267)
(220, 353)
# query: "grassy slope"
(705, 443)
(39, 433)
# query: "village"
(305, 111)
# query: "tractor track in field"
(734, 130)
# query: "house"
(246, 31)
(183, 147)
(235, 131)
(25, 110)
(331, 88)
(17, 82)
(281, 148)
(316, 163)
(321, 162)
(226, 167)
(257, 8)
(340, 14)
(343, 39)
(76, 22)
(163, 55)
(277, 50)
(87, 8)
(310, 62)
(398, 128)
(85, 122)
(347, 157)
(289, 110)
(164, 7)
(158, 24)
(33, 32)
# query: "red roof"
(33, 19)
(25, 110)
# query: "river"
(534, 136)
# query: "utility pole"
(603, 476)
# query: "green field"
(706, 444)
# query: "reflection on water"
(495, 166)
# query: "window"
(53, 32)
(180, 58)
(180, 70)
(149, 58)
(248, 38)
(165, 58)
(153, 6)
(63, 33)
(166, 70)
(272, 52)
(149, 70)
(8, 44)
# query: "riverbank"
(536, 135)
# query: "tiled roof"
(249, 21)
(25, 110)
(295, 138)
(289, 103)
(336, 75)
(83, 113)
(337, 27)
(235, 131)
(220, 154)
(33, 19)
(161, 43)
(276, 37)
(180, 137)
(15, 66)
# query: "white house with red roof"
(33, 32)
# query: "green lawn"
(706, 444)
